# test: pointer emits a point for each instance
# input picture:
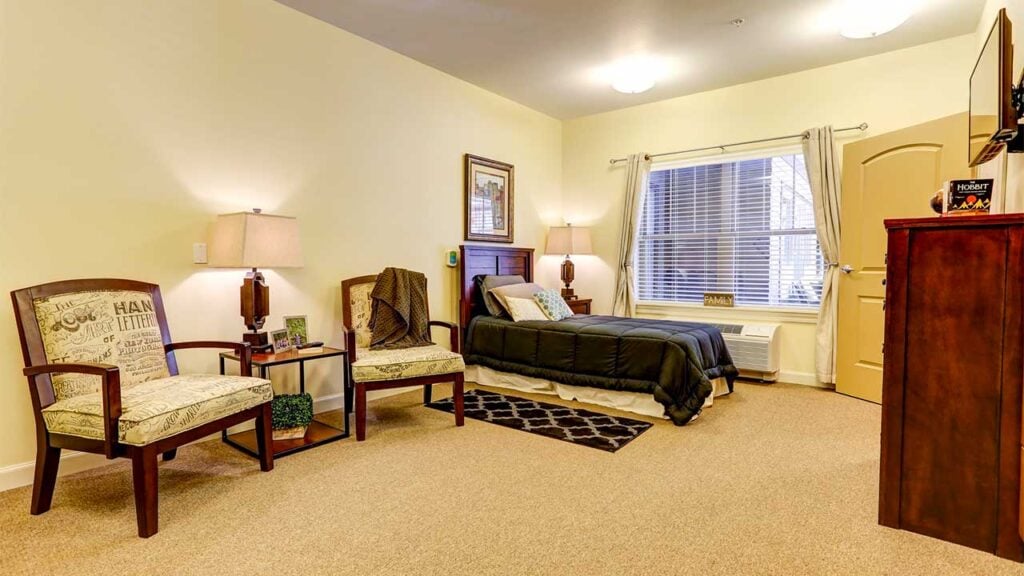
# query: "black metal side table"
(319, 432)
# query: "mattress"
(673, 361)
(635, 402)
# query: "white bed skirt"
(636, 402)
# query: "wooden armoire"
(952, 380)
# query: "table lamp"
(255, 240)
(568, 240)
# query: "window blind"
(743, 227)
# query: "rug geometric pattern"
(593, 429)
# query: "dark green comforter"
(675, 361)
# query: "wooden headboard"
(475, 260)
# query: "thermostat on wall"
(199, 253)
(451, 258)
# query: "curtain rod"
(862, 126)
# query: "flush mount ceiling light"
(636, 74)
(870, 18)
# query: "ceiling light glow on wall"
(636, 74)
(870, 18)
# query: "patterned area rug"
(601, 431)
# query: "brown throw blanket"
(398, 316)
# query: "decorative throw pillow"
(524, 309)
(552, 304)
(492, 281)
(524, 290)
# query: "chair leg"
(360, 412)
(458, 393)
(47, 463)
(170, 454)
(146, 483)
(265, 438)
(349, 393)
(428, 390)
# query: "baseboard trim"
(803, 379)
(18, 475)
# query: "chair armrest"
(350, 343)
(77, 368)
(243, 349)
(453, 332)
(110, 392)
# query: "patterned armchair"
(103, 378)
(383, 369)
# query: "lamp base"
(255, 299)
(258, 341)
(568, 275)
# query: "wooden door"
(888, 176)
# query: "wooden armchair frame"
(144, 458)
(457, 378)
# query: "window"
(744, 227)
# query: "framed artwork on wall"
(489, 202)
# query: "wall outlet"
(199, 253)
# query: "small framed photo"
(281, 341)
(490, 206)
(297, 331)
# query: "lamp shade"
(568, 240)
(255, 240)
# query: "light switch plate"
(199, 253)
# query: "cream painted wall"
(126, 126)
(1015, 12)
(888, 91)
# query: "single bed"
(677, 364)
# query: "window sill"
(700, 312)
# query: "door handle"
(846, 269)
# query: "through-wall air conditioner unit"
(754, 349)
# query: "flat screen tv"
(993, 118)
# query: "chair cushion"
(159, 408)
(379, 365)
(117, 327)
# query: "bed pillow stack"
(553, 305)
(501, 294)
(507, 296)
(490, 283)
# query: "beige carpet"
(772, 480)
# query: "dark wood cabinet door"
(953, 384)
(953, 381)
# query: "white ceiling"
(544, 53)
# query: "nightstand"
(579, 305)
(320, 431)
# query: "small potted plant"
(292, 414)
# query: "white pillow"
(523, 309)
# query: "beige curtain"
(823, 173)
(637, 168)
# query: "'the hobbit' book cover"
(969, 197)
